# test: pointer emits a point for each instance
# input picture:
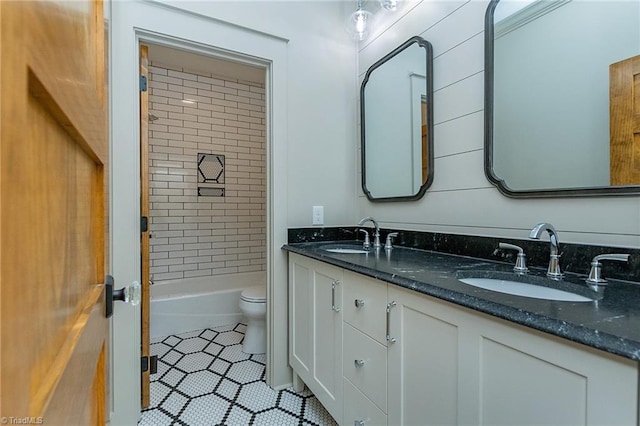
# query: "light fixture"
(389, 4)
(357, 25)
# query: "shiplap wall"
(462, 200)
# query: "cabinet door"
(450, 365)
(527, 377)
(423, 373)
(300, 303)
(327, 338)
(316, 329)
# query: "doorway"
(204, 172)
(136, 23)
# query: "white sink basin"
(524, 289)
(346, 250)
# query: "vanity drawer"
(365, 365)
(359, 410)
(365, 305)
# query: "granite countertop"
(610, 323)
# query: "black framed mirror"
(558, 103)
(396, 119)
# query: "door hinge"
(149, 363)
(143, 83)
(144, 224)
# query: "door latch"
(149, 363)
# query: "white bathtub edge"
(180, 306)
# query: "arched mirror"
(562, 99)
(396, 113)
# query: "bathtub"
(179, 306)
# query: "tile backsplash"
(576, 258)
(200, 113)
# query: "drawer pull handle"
(358, 423)
(359, 363)
(389, 306)
(359, 303)
(334, 308)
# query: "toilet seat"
(257, 294)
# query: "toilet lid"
(254, 294)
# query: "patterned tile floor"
(205, 379)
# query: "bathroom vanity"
(395, 338)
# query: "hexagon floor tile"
(205, 379)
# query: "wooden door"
(144, 236)
(624, 106)
(53, 208)
(425, 139)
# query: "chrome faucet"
(376, 232)
(553, 271)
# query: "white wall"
(312, 107)
(461, 200)
(322, 98)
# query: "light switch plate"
(318, 215)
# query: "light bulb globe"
(358, 24)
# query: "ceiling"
(199, 63)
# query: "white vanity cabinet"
(451, 365)
(315, 329)
(411, 359)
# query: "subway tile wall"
(197, 112)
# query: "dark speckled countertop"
(610, 323)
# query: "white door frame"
(136, 21)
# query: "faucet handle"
(507, 246)
(521, 260)
(387, 243)
(595, 275)
(367, 242)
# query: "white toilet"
(253, 304)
